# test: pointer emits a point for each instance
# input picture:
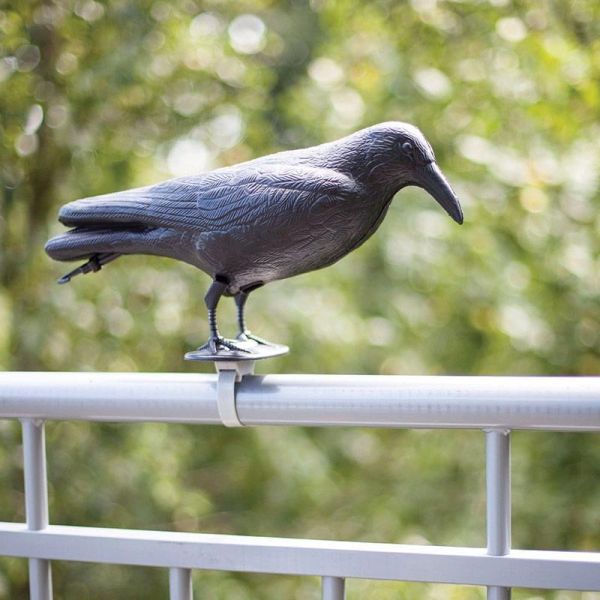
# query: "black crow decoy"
(258, 221)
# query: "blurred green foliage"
(100, 96)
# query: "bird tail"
(122, 208)
(98, 245)
(139, 221)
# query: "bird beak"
(432, 180)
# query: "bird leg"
(216, 341)
(244, 334)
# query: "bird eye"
(407, 147)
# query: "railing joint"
(502, 430)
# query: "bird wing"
(220, 200)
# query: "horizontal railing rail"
(436, 564)
(543, 403)
(495, 405)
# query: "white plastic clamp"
(228, 374)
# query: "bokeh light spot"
(247, 34)
(188, 157)
(511, 29)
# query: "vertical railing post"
(180, 584)
(333, 588)
(498, 501)
(36, 502)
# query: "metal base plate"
(255, 351)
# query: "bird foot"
(246, 336)
(217, 344)
(222, 349)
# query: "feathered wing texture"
(169, 203)
(219, 199)
(145, 220)
(258, 195)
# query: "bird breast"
(289, 242)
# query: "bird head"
(398, 155)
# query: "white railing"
(495, 405)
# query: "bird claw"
(217, 343)
(246, 336)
